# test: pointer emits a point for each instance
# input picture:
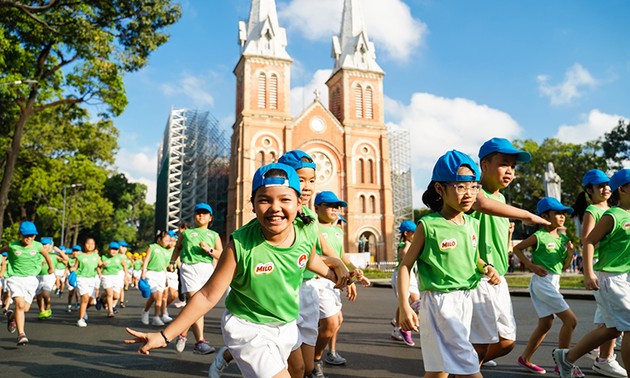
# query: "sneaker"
(48, 313)
(577, 373)
(531, 367)
(60, 294)
(145, 317)
(609, 367)
(122, 305)
(22, 339)
(396, 334)
(11, 326)
(218, 365)
(56, 291)
(393, 322)
(157, 321)
(416, 306)
(202, 347)
(98, 304)
(489, 363)
(333, 358)
(565, 368)
(618, 343)
(81, 323)
(406, 336)
(181, 343)
(69, 308)
(77, 305)
(318, 371)
(166, 319)
(42, 315)
(115, 310)
(179, 304)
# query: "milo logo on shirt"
(193, 234)
(626, 225)
(301, 262)
(551, 246)
(266, 268)
(32, 252)
(448, 244)
(474, 240)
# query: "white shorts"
(113, 281)
(194, 276)
(136, 274)
(308, 319)
(329, 297)
(545, 294)
(45, 283)
(61, 273)
(24, 287)
(493, 315)
(88, 285)
(173, 280)
(157, 280)
(445, 331)
(413, 282)
(260, 350)
(614, 297)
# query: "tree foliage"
(616, 144)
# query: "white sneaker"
(218, 365)
(166, 318)
(145, 317)
(618, 343)
(81, 323)
(180, 345)
(489, 363)
(157, 321)
(396, 334)
(609, 367)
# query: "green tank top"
(159, 258)
(448, 261)
(114, 264)
(137, 264)
(88, 263)
(334, 237)
(550, 251)
(265, 287)
(614, 248)
(24, 261)
(191, 252)
(59, 264)
(493, 236)
(44, 266)
(597, 213)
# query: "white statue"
(552, 182)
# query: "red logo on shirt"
(551, 245)
(448, 244)
(265, 268)
(626, 225)
(301, 262)
(474, 240)
(17, 253)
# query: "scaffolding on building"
(192, 168)
(400, 159)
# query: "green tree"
(77, 53)
(616, 144)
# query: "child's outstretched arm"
(601, 229)
(493, 207)
(202, 302)
(408, 318)
(326, 269)
(569, 257)
(518, 250)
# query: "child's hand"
(51, 270)
(148, 340)
(358, 273)
(493, 276)
(352, 292)
(591, 282)
(534, 219)
(539, 270)
(408, 319)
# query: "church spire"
(262, 34)
(352, 48)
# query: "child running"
(263, 264)
(23, 267)
(87, 266)
(114, 269)
(610, 276)
(46, 282)
(61, 269)
(73, 253)
(445, 251)
(551, 255)
(154, 270)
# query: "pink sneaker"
(533, 368)
(406, 335)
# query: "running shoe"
(98, 304)
(396, 334)
(489, 363)
(60, 294)
(609, 367)
(48, 313)
(618, 343)
(333, 358)
(393, 322)
(318, 371)
(406, 336)
(122, 305)
(157, 322)
(145, 317)
(22, 339)
(42, 315)
(577, 373)
(69, 308)
(202, 347)
(57, 291)
(115, 310)
(565, 368)
(531, 367)
(11, 326)
(180, 345)
(81, 323)
(166, 318)
(218, 365)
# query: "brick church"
(347, 138)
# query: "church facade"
(347, 138)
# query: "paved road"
(59, 348)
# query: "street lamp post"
(63, 212)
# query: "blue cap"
(594, 177)
(203, 206)
(145, 289)
(114, 245)
(620, 178)
(123, 243)
(407, 225)
(448, 164)
(5, 254)
(503, 146)
(173, 234)
(72, 279)
(260, 179)
(295, 159)
(329, 197)
(27, 228)
(46, 240)
(342, 218)
(62, 247)
(77, 248)
(550, 203)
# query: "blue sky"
(457, 72)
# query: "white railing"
(384, 266)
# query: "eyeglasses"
(462, 189)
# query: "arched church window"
(260, 159)
(272, 157)
(368, 103)
(360, 171)
(362, 203)
(262, 89)
(370, 171)
(273, 92)
(372, 204)
(358, 101)
(336, 103)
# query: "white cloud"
(594, 125)
(389, 22)
(576, 80)
(301, 97)
(139, 167)
(439, 124)
(192, 87)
